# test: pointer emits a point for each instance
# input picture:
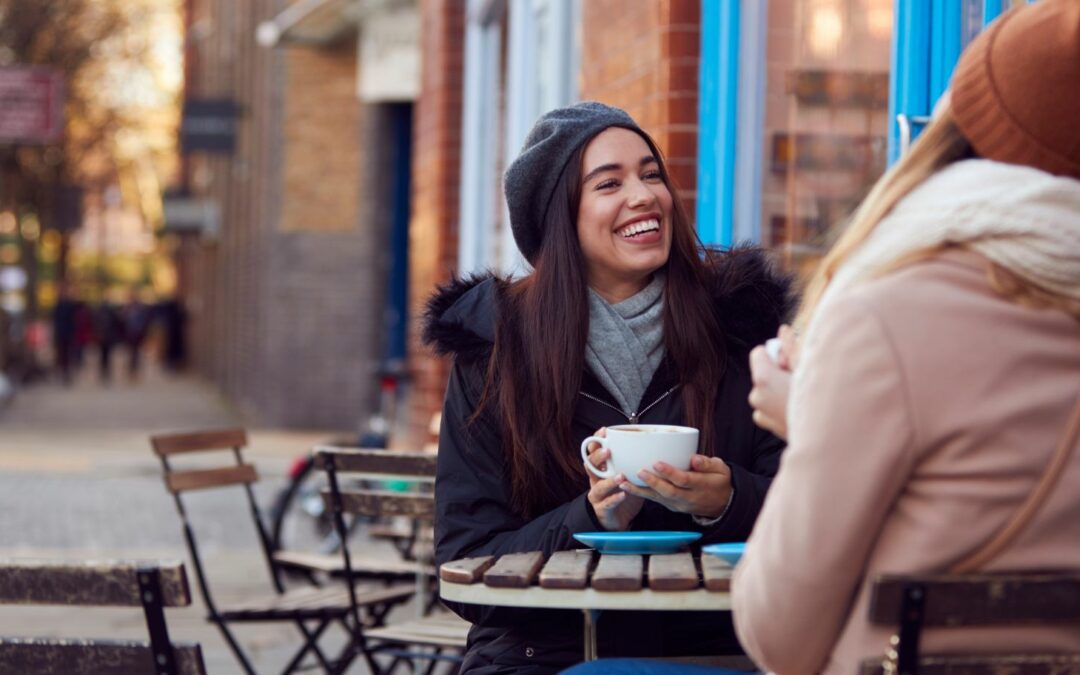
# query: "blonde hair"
(940, 144)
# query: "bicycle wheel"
(300, 520)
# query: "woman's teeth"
(639, 227)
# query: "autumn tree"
(103, 48)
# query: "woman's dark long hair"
(535, 370)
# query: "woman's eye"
(652, 175)
(609, 183)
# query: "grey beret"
(529, 181)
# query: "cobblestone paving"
(78, 480)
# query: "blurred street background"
(78, 480)
(232, 212)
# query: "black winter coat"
(472, 494)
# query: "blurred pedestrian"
(109, 330)
(84, 333)
(63, 332)
(135, 316)
(173, 318)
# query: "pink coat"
(928, 409)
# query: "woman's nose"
(640, 196)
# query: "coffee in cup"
(634, 447)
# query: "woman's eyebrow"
(647, 159)
(599, 170)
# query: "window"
(539, 73)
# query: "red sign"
(31, 104)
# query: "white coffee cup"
(635, 447)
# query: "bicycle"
(299, 520)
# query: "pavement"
(78, 480)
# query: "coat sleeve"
(750, 484)
(850, 453)
(472, 495)
(753, 463)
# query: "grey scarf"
(626, 342)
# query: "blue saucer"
(729, 551)
(638, 543)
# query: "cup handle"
(609, 472)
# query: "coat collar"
(751, 300)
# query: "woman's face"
(624, 218)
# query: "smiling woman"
(625, 318)
(624, 217)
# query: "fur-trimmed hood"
(752, 300)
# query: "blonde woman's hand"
(772, 382)
(703, 491)
(614, 508)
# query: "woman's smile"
(641, 231)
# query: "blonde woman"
(938, 371)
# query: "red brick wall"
(642, 55)
(433, 228)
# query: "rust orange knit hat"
(1016, 89)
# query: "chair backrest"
(236, 473)
(912, 602)
(152, 586)
(233, 440)
(417, 467)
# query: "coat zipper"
(632, 417)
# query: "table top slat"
(467, 570)
(673, 572)
(567, 569)
(717, 573)
(618, 573)
(514, 570)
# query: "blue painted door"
(928, 37)
(802, 104)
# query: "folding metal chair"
(437, 638)
(311, 610)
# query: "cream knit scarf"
(1023, 219)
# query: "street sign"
(31, 104)
(208, 124)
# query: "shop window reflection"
(826, 118)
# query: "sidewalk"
(78, 480)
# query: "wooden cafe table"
(586, 580)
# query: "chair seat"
(440, 631)
(426, 534)
(314, 603)
(333, 564)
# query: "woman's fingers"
(610, 502)
(704, 464)
(604, 487)
(789, 346)
(679, 479)
(658, 484)
(768, 397)
(768, 423)
(638, 491)
(761, 366)
(598, 457)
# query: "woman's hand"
(703, 491)
(614, 508)
(772, 382)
